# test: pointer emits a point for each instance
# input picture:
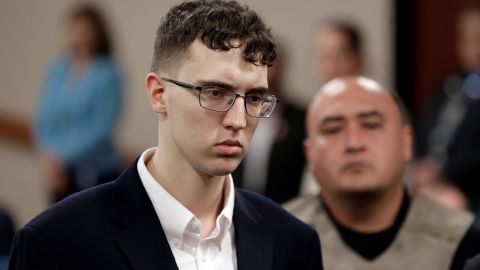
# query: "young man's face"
(356, 140)
(213, 143)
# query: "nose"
(235, 118)
(354, 140)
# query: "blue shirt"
(76, 116)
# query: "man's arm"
(31, 251)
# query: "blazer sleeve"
(316, 256)
(31, 251)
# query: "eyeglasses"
(258, 104)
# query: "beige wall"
(31, 36)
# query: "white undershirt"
(182, 228)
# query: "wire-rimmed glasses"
(258, 103)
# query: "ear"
(407, 142)
(307, 151)
(156, 92)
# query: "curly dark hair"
(219, 25)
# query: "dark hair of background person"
(219, 25)
(466, 40)
(473, 9)
(350, 31)
(102, 44)
(406, 118)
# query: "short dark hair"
(103, 45)
(472, 8)
(406, 119)
(349, 30)
(218, 24)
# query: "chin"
(223, 168)
(360, 189)
(221, 172)
(358, 185)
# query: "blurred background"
(407, 45)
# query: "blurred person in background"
(275, 162)
(358, 144)
(337, 50)
(337, 47)
(79, 107)
(447, 151)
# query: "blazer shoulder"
(296, 245)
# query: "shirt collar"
(228, 204)
(174, 216)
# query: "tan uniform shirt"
(428, 238)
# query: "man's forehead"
(349, 97)
(339, 110)
(351, 84)
(357, 92)
(228, 67)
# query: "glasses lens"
(216, 98)
(219, 99)
(260, 104)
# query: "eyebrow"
(330, 119)
(228, 86)
(361, 115)
(215, 83)
(370, 114)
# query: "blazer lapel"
(142, 239)
(253, 244)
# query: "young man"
(358, 144)
(176, 207)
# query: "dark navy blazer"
(114, 226)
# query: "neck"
(201, 194)
(81, 55)
(367, 212)
(80, 63)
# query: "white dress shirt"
(182, 228)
